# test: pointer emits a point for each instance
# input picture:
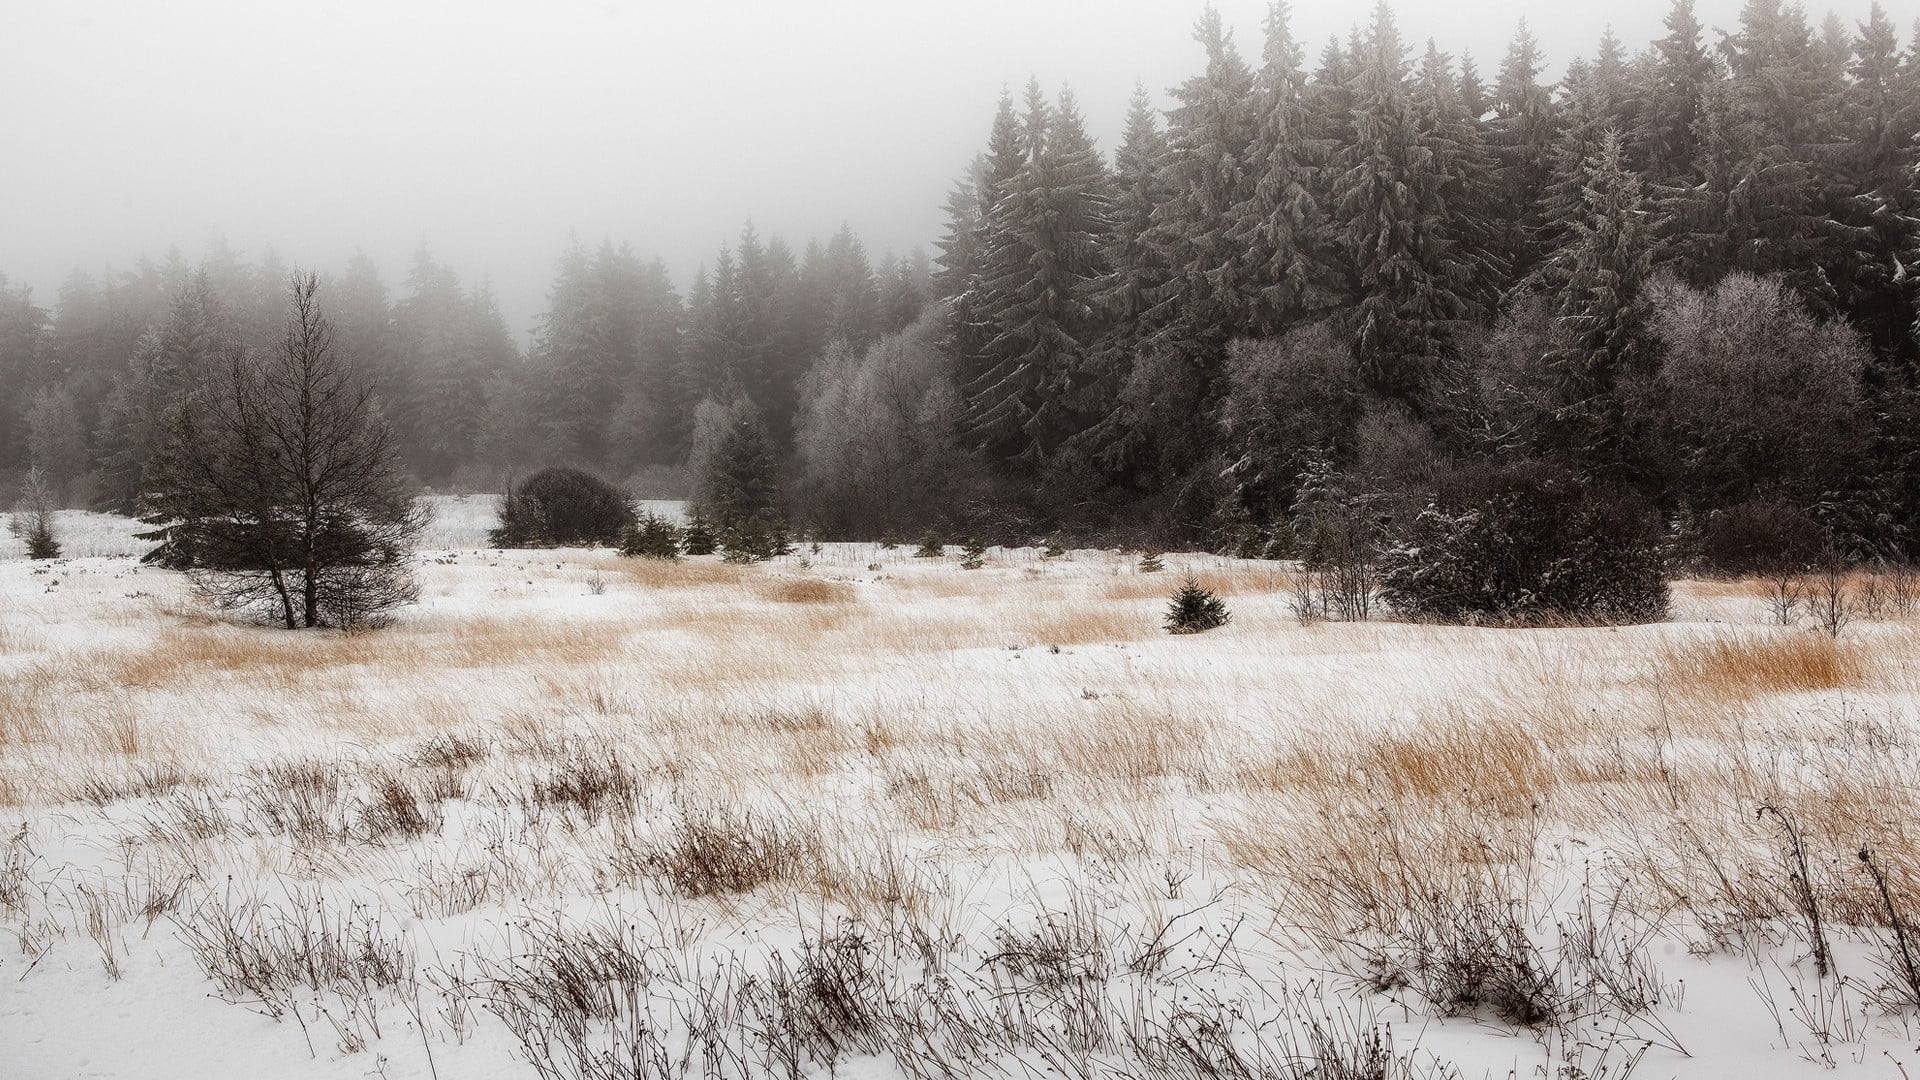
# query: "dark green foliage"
(1526, 543)
(698, 538)
(1195, 609)
(755, 539)
(652, 537)
(32, 519)
(1151, 563)
(974, 555)
(737, 473)
(930, 547)
(563, 507)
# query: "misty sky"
(491, 131)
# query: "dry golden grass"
(1745, 664)
(1495, 763)
(669, 573)
(1088, 624)
(807, 591)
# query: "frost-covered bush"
(1526, 544)
(562, 507)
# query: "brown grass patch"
(666, 573)
(1497, 763)
(1087, 624)
(1745, 665)
(807, 591)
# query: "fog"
(490, 132)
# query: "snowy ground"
(860, 814)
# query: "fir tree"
(1041, 259)
(974, 555)
(1276, 222)
(652, 537)
(32, 519)
(1524, 127)
(1410, 274)
(1195, 609)
(1597, 279)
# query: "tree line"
(1680, 272)
(1677, 274)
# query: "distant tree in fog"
(279, 487)
(32, 519)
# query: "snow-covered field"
(859, 814)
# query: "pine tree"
(1274, 225)
(1875, 198)
(172, 360)
(32, 519)
(1597, 278)
(1211, 170)
(1042, 257)
(1682, 69)
(1410, 274)
(974, 555)
(1524, 128)
(1195, 609)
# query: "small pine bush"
(33, 520)
(888, 542)
(1053, 549)
(755, 539)
(930, 547)
(1194, 609)
(652, 538)
(1151, 563)
(974, 555)
(698, 537)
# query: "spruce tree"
(1042, 259)
(1410, 275)
(1195, 609)
(1596, 279)
(1275, 223)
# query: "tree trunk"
(286, 598)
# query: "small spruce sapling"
(1195, 608)
(698, 539)
(974, 555)
(1053, 549)
(1151, 563)
(652, 538)
(33, 520)
(930, 547)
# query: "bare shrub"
(312, 954)
(1832, 603)
(717, 850)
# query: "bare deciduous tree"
(279, 487)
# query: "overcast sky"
(491, 131)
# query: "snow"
(941, 756)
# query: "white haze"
(490, 132)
